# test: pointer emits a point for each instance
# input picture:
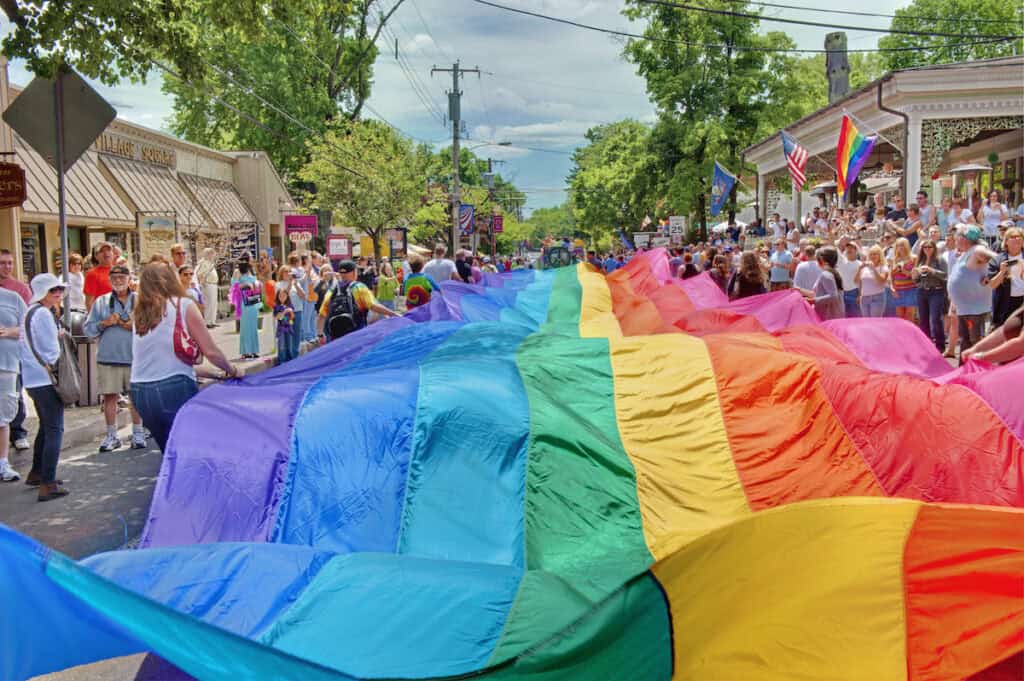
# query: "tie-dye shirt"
(418, 288)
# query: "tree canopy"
(611, 177)
(969, 17)
(313, 61)
(385, 198)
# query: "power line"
(707, 46)
(241, 113)
(868, 14)
(818, 24)
(418, 88)
(380, 116)
(561, 85)
(430, 33)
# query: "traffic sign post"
(30, 115)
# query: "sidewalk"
(83, 425)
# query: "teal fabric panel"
(386, 616)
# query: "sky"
(543, 84)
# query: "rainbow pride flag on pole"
(851, 153)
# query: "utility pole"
(454, 115)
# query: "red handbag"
(185, 346)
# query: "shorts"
(113, 379)
(10, 396)
(906, 298)
(780, 285)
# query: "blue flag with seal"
(465, 219)
(721, 184)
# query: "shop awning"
(87, 193)
(219, 198)
(154, 188)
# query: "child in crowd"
(284, 314)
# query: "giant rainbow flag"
(564, 476)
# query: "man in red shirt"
(7, 278)
(97, 280)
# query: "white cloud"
(419, 43)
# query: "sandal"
(52, 490)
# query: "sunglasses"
(56, 289)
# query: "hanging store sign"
(12, 185)
(338, 247)
(300, 224)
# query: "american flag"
(796, 159)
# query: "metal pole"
(58, 105)
(456, 200)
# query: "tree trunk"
(701, 206)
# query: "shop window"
(76, 240)
(33, 249)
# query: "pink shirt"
(18, 286)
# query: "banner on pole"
(497, 224)
(721, 184)
(465, 219)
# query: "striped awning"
(154, 188)
(220, 199)
(88, 195)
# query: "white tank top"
(153, 357)
(990, 219)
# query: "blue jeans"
(296, 338)
(159, 401)
(46, 452)
(872, 306)
(308, 321)
(284, 347)
(850, 303)
(889, 306)
(930, 303)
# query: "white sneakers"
(21, 444)
(110, 443)
(139, 441)
(8, 474)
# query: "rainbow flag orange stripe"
(852, 151)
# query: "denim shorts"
(906, 298)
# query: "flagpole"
(859, 121)
(817, 156)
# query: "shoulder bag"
(185, 346)
(66, 375)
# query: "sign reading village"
(117, 145)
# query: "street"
(108, 504)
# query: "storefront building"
(143, 190)
(933, 121)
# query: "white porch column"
(796, 203)
(761, 200)
(912, 159)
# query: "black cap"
(347, 266)
(119, 269)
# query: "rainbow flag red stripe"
(851, 153)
